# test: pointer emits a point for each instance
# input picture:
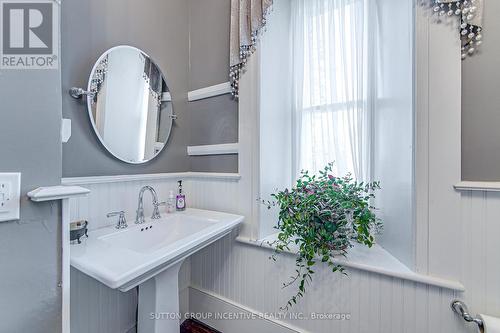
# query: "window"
(331, 85)
(336, 84)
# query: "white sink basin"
(149, 256)
(154, 236)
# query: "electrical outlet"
(10, 196)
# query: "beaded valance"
(248, 17)
(471, 21)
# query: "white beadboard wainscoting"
(232, 275)
(238, 277)
(480, 250)
(244, 276)
(375, 259)
(95, 308)
(117, 196)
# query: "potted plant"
(320, 218)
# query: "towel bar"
(461, 309)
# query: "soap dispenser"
(171, 202)
(180, 200)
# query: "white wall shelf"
(221, 149)
(50, 193)
(212, 91)
(478, 186)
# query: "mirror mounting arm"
(77, 93)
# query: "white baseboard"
(203, 302)
(132, 329)
(184, 303)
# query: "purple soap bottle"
(180, 199)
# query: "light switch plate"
(10, 196)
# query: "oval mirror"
(129, 104)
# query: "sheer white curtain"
(332, 86)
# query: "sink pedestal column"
(159, 303)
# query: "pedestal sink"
(149, 255)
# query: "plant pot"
(339, 248)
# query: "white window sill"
(376, 260)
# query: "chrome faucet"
(139, 218)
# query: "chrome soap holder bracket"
(77, 93)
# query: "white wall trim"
(133, 329)
(375, 260)
(63, 193)
(220, 149)
(249, 140)
(478, 186)
(203, 301)
(212, 91)
(437, 152)
(214, 175)
(422, 140)
(149, 177)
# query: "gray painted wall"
(209, 42)
(30, 118)
(161, 29)
(214, 163)
(481, 104)
(213, 120)
(189, 41)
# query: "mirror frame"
(89, 106)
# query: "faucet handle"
(121, 212)
(122, 222)
(156, 212)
